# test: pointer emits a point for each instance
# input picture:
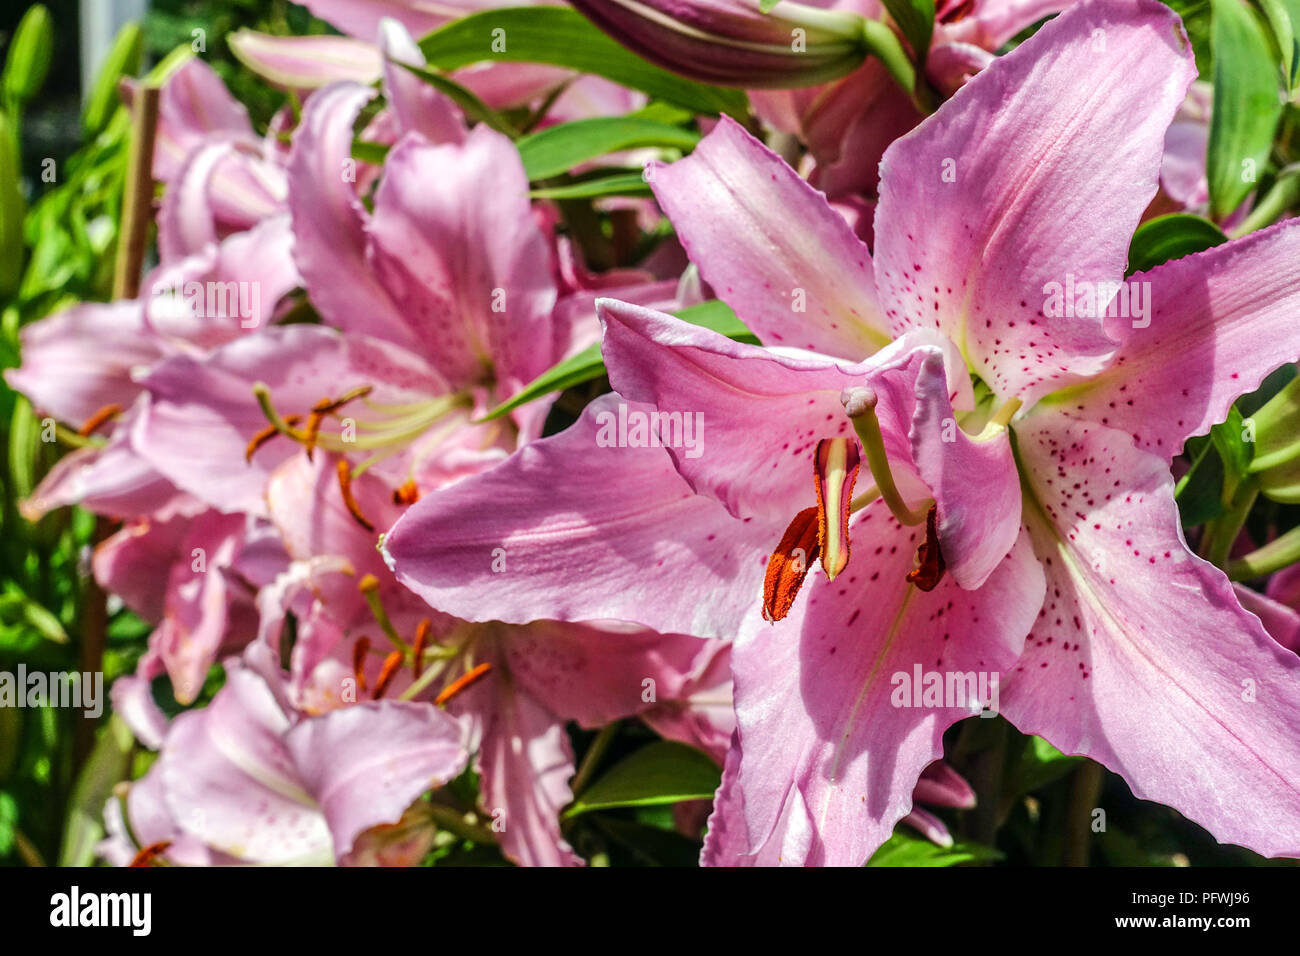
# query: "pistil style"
(860, 405)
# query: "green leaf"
(1282, 16)
(18, 605)
(621, 183)
(588, 364)
(649, 846)
(8, 822)
(558, 149)
(916, 19)
(565, 38)
(1038, 764)
(1246, 104)
(1199, 492)
(661, 772)
(903, 849)
(107, 764)
(1170, 237)
(123, 59)
(1229, 439)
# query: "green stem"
(1283, 195)
(1085, 788)
(453, 821)
(1221, 533)
(1281, 552)
(591, 759)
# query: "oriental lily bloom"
(1022, 527)
(362, 635)
(196, 578)
(220, 178)
(250, 780)
(440, 301)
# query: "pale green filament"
(860, 403)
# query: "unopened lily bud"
(1274, 431)
(12, 210)
(30, 51)
(733, 42)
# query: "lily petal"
(735, 205)
(367, 763)
(1227, 313)
(306, 62)
(529, 540)
(1142, 659)
(455, 240)
(330, 244)
(1012, 167)
(832, 740)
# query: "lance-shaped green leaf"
(903, 849)
(588, 364)
(1171, 237)
(558, 149)
(1282, 16)
(123, 60)
(108, 764)
(1246, 104)
(565, 38)
(619, 183)
(659, 773)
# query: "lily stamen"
(263, 396)
(392, 663)
(151, 855)
(421, 641)
(929, 572)
(407, 494)
(95, 421)
(860, 405)
(345, 489)
(464, 682)
(359, 651)
(265, 435)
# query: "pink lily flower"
(250, 780)
(440, 302)
(1035, 562)
(514, 686)
(196, 577)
